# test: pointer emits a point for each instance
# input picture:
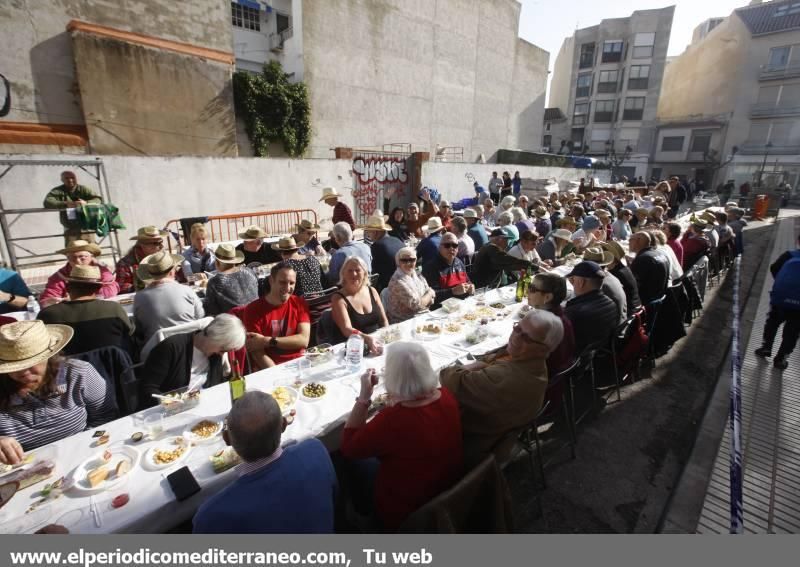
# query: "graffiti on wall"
(378, 179)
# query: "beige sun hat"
(149, 233)
(598, 255)
(285, 244)
(615, 249)
(329, 193)
(563, 234)
(80, 246)
(306, 225)
(85, 274)
(376, 222)
(252, 232)
(227, 254)
(157, 266)
(470, 214)
(434, 225)
(540, 212)
(26, 343)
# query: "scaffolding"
(13, 249)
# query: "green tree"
(273, 109)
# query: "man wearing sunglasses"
(498, 399)
(445, 273)
(492, 262)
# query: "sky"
(546, 23)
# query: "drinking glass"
(154, 425)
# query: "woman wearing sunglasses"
(408, 292)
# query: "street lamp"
(764, 163)
(614, 159)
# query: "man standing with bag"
(67, 198)
(784, 299)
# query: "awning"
(249, 4)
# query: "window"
(612, 51)
(547, 139)
(634, 108)
(607, 82)
(584, 85)
(577, 136)
(579, 116)
(547, 127)
(768, 95)
(604, 111)
(643, 45)
(639, 77)
(656, 174)
(787, 9)
(790, 96)
(587, 55)
(245, 18)
(779, 57)
(701, 143)
(672, 144)
(282, 21)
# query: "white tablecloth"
(152, 507)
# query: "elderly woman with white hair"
(497, 400)
(408, 293)
(356, 307)
(507, 219)
(414, 445)
(343, 235)
(182, 359)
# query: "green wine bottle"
(236, 383)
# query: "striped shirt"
(81, 403)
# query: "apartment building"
(606, 82)
(730, 104)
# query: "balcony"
(759, 148)
(696, 156)
(603, 116)
(768, 110)
(276, 40)
(772, 72)
(607, 87)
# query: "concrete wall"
(252, 48)
(37, 51)
(562, 76)
(421, 72)
(143, 101)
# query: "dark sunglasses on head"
(450, 245)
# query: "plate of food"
(224, 459)
(428, 331)
(390, 335)
(168, 452)
(313, 392)
(454, 327)
(498, 305)
(179, 400)
(105, 470)
(477, 336)
(452, 305)
(203, 431)
(319, 354)
(26, 460)
(286, 398)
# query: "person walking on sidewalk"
(784, 307)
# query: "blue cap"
(587, 269)
(590, 223)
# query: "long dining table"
(152, 507)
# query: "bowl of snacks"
(313, 392)
(452, 305)
(319, 354)
(203, 431)
(286, 398)
(477, 336)
(168, 452)
(390, 334)
(427, 331)
(179, 400)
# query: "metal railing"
(226, 228)
(769, 72)
(768, 109)
(276, 40)
(756, 148)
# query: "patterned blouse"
(405, 296)
(309, 275)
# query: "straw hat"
(470, 214)
(434, 225)
(286, 244)
(307, 225)
(149, 233)
(615, 249)
(227, 254)
(329, 193)
(80, 246)
(598, 255)
(540, 212)
(376, 222)
(157, 266)
(26, 343)
(444, 203)
(252, 232)
(563, 234)
(85, 274)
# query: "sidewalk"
(771, 446)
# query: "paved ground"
(630, 456)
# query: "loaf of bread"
(97, 475)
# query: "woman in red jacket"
(416, 439)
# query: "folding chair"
(652, 309)
(174, 330)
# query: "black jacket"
(628, 281)
(383, 264)
(490, 263)
(651, 271)
(169, 365)
(594, 317)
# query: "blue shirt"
(478, 234)
(352, 248)
(194, 263)
(428, 248)
(516, 185)
(11, 282)
(293, 494)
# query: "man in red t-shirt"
(279, 324)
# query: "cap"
(587, 269)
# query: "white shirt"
(518, 252)
(466, 246)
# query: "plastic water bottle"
(33, 307)
(354, 352)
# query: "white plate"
(168, 444)
(293, 395)
(322, 397)
(118, 453)
(199, 440)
